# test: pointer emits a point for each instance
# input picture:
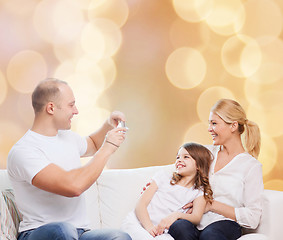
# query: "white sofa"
(116, 191)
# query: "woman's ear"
(234, 126)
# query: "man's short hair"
(46, 91)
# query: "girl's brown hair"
(203, 158)
(229, 111)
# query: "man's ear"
(50, 108)
(234, 126)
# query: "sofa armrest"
(270, 224)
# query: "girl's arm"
(194, 217)
(141, 209)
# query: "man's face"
(65, 108)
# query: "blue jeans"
(220, 230)
(65, 231)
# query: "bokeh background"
(163, 63)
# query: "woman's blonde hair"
(203, 158)
(229, 111)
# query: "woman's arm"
(222, 209)
(141, 209)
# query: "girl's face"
(185, 164)
(219, 130)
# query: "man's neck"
(43, 127)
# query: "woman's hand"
(189, 207)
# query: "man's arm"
(74, 182)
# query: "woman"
(235, 178)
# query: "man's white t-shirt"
(169, 198)
(31, 154)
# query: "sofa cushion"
(119, 191)
(8, 229)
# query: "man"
(45, 171)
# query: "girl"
(235, 176)
(161, 203)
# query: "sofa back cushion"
(119, 190)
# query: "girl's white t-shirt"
(31, 154)
(169, 198)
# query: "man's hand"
(115, 117)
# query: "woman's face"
(219, 130)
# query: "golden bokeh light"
(194, 10)
(274, 184)
(270, 69)
(3, 88)
(198, 133)
(183, 34)
(268, 112)
(241, 56)
(226, 17)
(90, 119)
(86, 88)
(65, 69)
(114, 10)
(268, 153)
(10, 133)
(185, 68)
(111, 34)
(56, 25)
(208, 98)
(25, 70)
(108, 68)
(93, 42)
(263, 18)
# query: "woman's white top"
(240, 185)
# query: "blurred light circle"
(69, 50)
(183, 34)
(208, 98)
(108, 68)
(111, 34)
(185, 68)
(198, 133)
(65, 69)
(86, 89)
(55, 24)
(263, 18)
(93, 42)
(114, 10)
(226, 17)
(3, 88)
(274, 184)
(25, 70)
(267, 112)
(241, 56)
(193, 10)
(270, 69)
(268, 153)
(90, 119)
(10, 133)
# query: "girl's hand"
(152, 230)
(189, 207)
(166, 222)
